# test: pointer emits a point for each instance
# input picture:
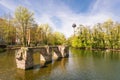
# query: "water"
(81, 65)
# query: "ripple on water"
(81, 65)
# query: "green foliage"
(7, 31)
(59, 38)
(43, 35)
(104, 35)
(26, 32)
(76, 42)
(24, 18)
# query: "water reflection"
(41, 73)
(97, 65)
(81, 65)
(112, 55)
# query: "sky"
(61, 14)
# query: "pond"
(81, 65)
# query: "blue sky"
(61, 14)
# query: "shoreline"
(102, 49)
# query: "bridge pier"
(24, 58)
(56, 53)
(64, 51)
(45, 56)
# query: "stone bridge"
(24, 55)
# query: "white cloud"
(69, 19)
(8, 4)
(99, 11)
(46, 19)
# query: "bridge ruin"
(24, 55)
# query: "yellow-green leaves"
(24, 18)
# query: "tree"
(7, 30)
(101, 35)
(46, 30)
(24, 18)
(59, 38)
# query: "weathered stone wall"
(56, 52)
(64, 51)
(46, 56)
(24, 56)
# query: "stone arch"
(45, 55)
(56, 53)
(64, 51)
